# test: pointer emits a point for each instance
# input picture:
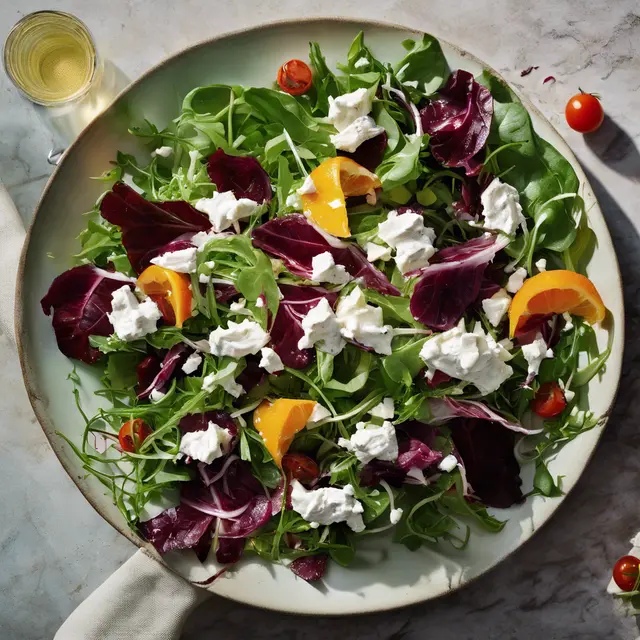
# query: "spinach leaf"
(403, 165)
(425, 65)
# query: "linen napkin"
(142, 600)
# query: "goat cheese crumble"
(130, 318)
(501, 207)
(224, 209)
(324, 269)
(321, 328)
(371, 442)
(534, 353)
(181, 261)
(238, 340)
(205, 446)
(516, 280)
(270, 360)
(496, 307)
(192, 363)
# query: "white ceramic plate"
(385, 576)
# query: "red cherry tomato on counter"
(294, 77)
(584, 113)
(299, 467)
(625, 572)
(132, 434)
(549, 400)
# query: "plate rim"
(19, 311)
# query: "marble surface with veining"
(54, 549)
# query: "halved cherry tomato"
(294, 77)
(549, 401)
(584, 113)
(170, 290)
(132, 434)
(299, 467)
(626, 571)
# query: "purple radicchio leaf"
(445, 409)
(241, 174)
(287, 326)
(179, 244)
(487, 451)
(80, 299)
(310, 568)
(229, 550)
(147, 370)
(148, 227)
(452, 281)
(252, 375)
(297, 242)
(180, 527)
(469, 206)
(459, 122)
(225, 292)
(176, 357)
(370, 153)
(257, 514)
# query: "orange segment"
(165, 285)
(556, 292)
(279, 421)
(336, 179)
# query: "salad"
(347, 304)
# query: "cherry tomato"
(299, 467)
(625, 572)
(132, 434)
(294, 77)
(584, 113)
(549, 400)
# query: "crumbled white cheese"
(501, 207)
(308, 187)
(192, 363)
(474, 357)
(239, 340)
(568, 322)
(516, 280)
(294, 201)
(324, 269)
(496, 306)
(130, 318)
(371, 442)
(224, 209)
(363, 323)
(377, 252)
(182, 261)
(412, 241)
(225, 379)
(201, 238)
(534, 353)
(270, 360)
(385, 410)
(163, 152)
(360, 63)
(204, 279)
(541, 265)
(356, 133)
(321, 328)
(448, 463)
(205, 446)
(260, 302)
(318, 414)
(237, 306)
(395, 515)
(156, 395)
(328, 505)
(348, 107)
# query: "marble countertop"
(54, 549)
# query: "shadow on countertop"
(615, 147)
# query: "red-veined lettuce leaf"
(241, 174)
(80, 299)
(297, 242)
(452, 281)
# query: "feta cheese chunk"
(205, 446)
(412, 241)
(163, 152)
(534, 353)
(308, 187)
(270, 360)
(260, 302)
(371, 442)
(318, 414)
(384, 410)
(182, 261)
(239, 305)
(201, 238)
(516, 280)
(501, 207)
(225, 379)
(568, 322)
(363, 323)
(239, 340)
(377, 252)
(496, 307)
(474, 357)
(192, 363)
(448, 463)
(328, 505)
(321, 328)
(348, 107)
(395, 515)
(130, 318)
(359, 131)
(541, 265)
(224, 209)
(326, 270)
(156, 395)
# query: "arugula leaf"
(543, 484)
(403, 165)
(404, 363)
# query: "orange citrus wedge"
(336, 179)
(279, 421)
(167, 286)
(556, 292)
